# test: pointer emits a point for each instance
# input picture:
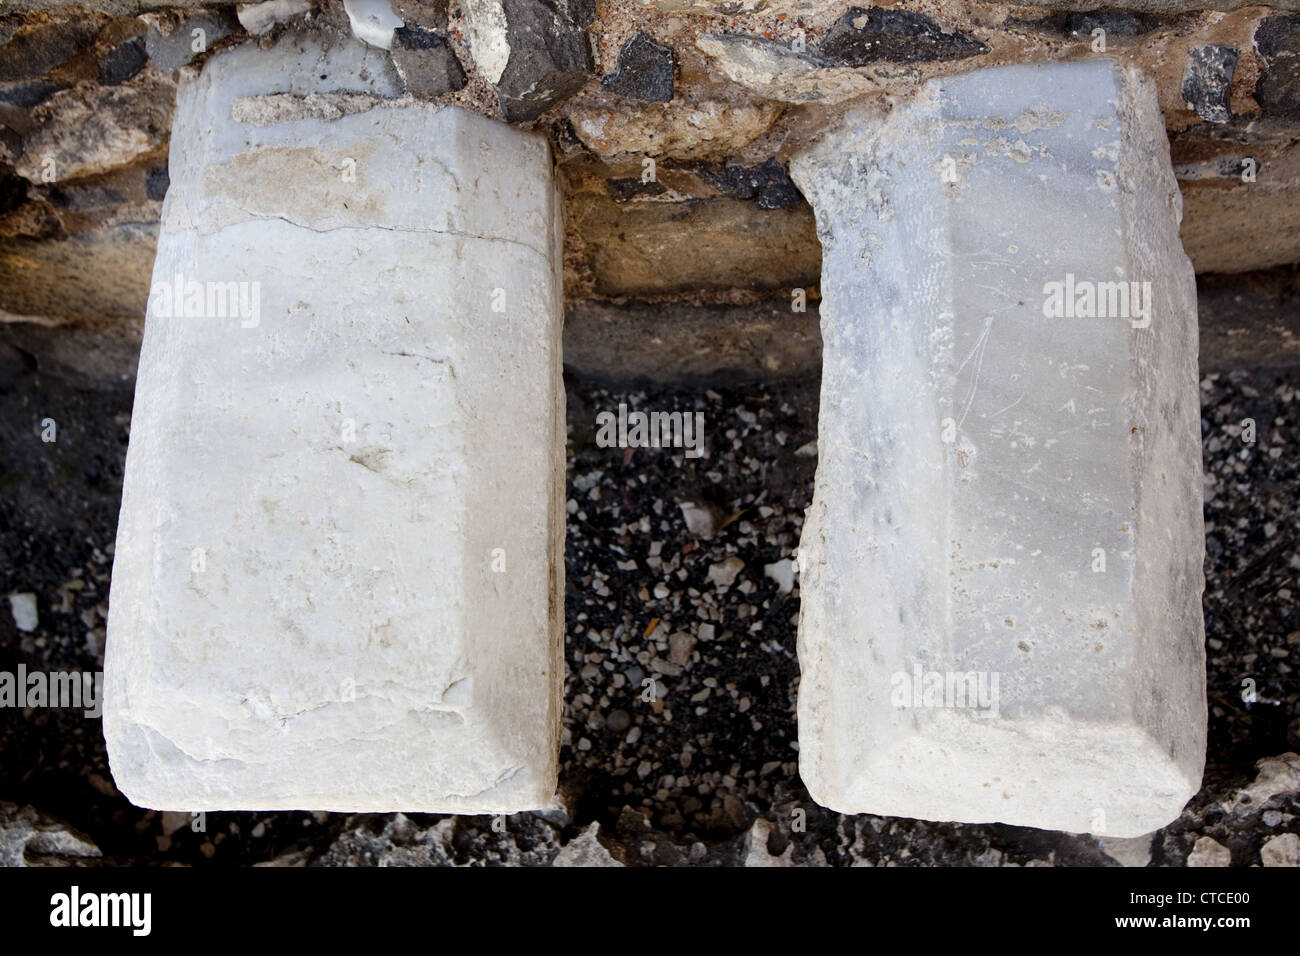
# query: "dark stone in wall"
(1206, 80)
(27, 93)
(123, 61)
(416, 38)
(565, 140)
(644, 72)
(768, 183)
(625, 190)
(1117, 24)
(13, 190)
(550, 56)
(863, 36)
(425, 14)
(1278, 36)
(173, 51)
(76, 197)
(1278, 41)
(426, 63)
(156, 183)
(33, 51)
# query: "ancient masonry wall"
(687, 246)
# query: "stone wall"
(672, 123)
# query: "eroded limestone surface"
(1001, 614)
(339, 565)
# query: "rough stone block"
(1001, 615)
(35, 49)
(338, 580)
(426, 63)
(645, 70)
(535, 52)
(1278, 42)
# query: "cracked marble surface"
(337, 577)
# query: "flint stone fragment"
(338, 581)
(768, 183)
(123, 61)
(625, 190)
(156, 183)
(1278, 41)
(1001, 568)
(866, 35)
(1115, 24)
(1206, 81)
(27, 93)
(535, 52)
(644, 72)
(426, 63)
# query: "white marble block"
(1001, 585)
(338, 580)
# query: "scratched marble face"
(1005, 543)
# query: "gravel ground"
(679, 728)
